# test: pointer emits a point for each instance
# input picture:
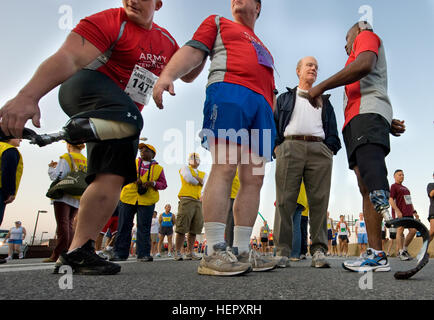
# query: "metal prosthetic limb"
(423, 256)
(82, 130)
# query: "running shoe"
(222, 263)
(259, 262)
(145, 259)
(8, 258)
(192, 256)
(85, 261)
(294, 259)
(319, 260)
(302, 257)
(408, 255)
(21, 256)
(371, 262)
(158, 255)
(282, 261)
(109, 253)
(177, 256)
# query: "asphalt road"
(166, 279)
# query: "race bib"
(407, 199)
(264, 57)
(141, 85)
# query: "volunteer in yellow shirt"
(134, 198)
(11, 171)
(65, 208)
(189, 218)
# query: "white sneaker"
(371, 262)
(158, 255)
(20, 256)
(8, 258)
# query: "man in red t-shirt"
(238, 128)
(402, 206)
(368, 123)
(106, 68)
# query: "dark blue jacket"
(283, 112)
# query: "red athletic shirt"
(237, 55)
(402, 198)
(150, 49)
(369, 94)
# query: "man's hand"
(397, 128)
(10, 199)
(52, 164)
(199, 180)
(314, 96)
(163, 84)
(148, 184)
(15, 114)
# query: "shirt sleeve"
(101, 29)
(430, 188)
(393, 191)
(10, 159)
(188, 177)
(366, 41)
(61, 170)
(161, 182)
(204, 37)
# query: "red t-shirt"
(402, 198)
(369, 94)
(237, 55)
(150, 49)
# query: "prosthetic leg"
(81, 130)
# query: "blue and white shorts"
(234, 113)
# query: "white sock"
(108, 248)
(214, 234)
(242, 238)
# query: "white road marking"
(48, 266)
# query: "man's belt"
(305, 138)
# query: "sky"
(33, 30)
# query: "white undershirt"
(305, 119)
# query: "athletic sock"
(242, 238)
(214, 234)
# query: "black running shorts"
(93, 94)
(364, 129)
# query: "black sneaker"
(116, 258)
(145, 259)
(85, 261)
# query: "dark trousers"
(125, 226)
(2, 207)
(303, 226)
(65, 215)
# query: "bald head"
(307, 71)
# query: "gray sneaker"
(177, 256)
(259, 262)
(282, 261)
(222, 263)
(192, 256)
(319, 260)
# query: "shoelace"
(227, 255)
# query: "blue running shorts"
(237, 114)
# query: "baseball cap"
(150, 147)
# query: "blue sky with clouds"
(33, 30)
